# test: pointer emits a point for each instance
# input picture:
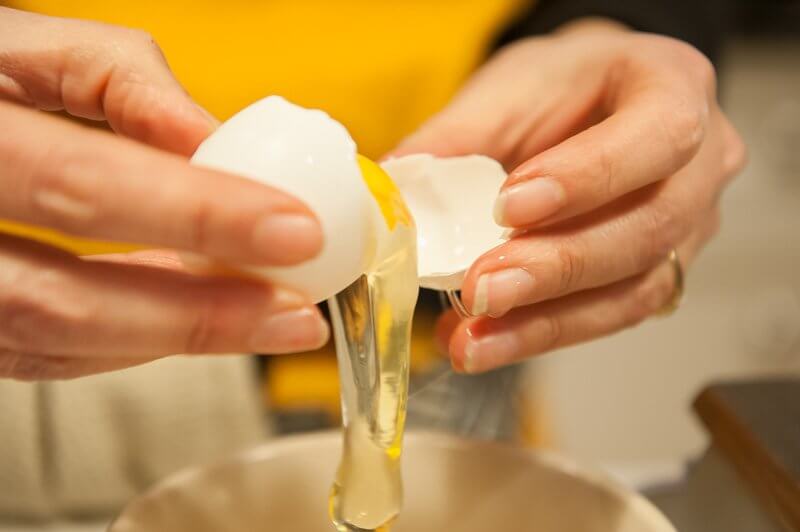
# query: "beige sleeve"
(84, 447)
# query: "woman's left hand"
(619, 153)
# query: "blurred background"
(623, 402)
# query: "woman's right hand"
(62, 316)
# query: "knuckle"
(660, 233)
(685, 127)
(605, 168)
(648, 297)
(735, 158)
(201, 330)
(550, 333)
(571, 265)
(38, 313)
(142, 39)
(199, 226)
(60, 191)
(137, 111)
(698, 64)
(137, 103)
(132, 47)
(217, 310)
(704, 70)
(653, 253)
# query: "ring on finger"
(676, 297)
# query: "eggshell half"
(452, 200)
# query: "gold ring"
(677, 287)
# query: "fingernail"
(489, 352)
(291, 331)
(284, 239)
(529, 202)
(498, 292)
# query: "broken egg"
(310, 155)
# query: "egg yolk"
(386, 193)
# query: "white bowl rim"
(296, 443)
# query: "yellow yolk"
(385, 192)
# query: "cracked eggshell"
(452, 201)
(311, 156)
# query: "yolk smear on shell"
(386, 193)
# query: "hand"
(61, 316)
(619, 152)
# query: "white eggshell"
(311, 156)
(452, 200)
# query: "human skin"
(618, 153)
(62, 316)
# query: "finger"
(156, 258)
(30, 367)
(618, 240)
(100, 72)
(445, 326)
(90, 183)
(541, 265)
(481, 344)
(52, 303)
(735, 154)
(657, 124)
